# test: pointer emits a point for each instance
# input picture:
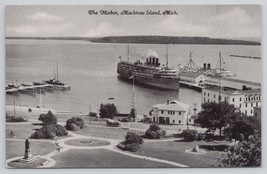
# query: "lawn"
(103, 132)
(175, 151)
(20, 130)
(87, 142)
(16, 148)
(101, 158)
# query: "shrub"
(74, 123)
(107, 110)
(48, 118)
(155, 132)
(49, 132)
(132, 142)
(132, 137)
(15, 119)
(189, 135)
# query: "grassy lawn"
(16, 148)
(20, 130)
(175, 151)
(103, 132)
(17, 164)
(101, 158)
(87, 142)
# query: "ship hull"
(148, 79)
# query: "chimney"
(204, 66)
(208, 66)
(168, 102)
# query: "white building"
(172, 112)
(245, 100)
(193, 78)
(257, 113)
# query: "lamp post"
(195, 110)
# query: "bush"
(132, 137)
(107, 110)
(132, 142)
(189, 135)
(49, 132)
(15, 119)
(74, 123)
(48, 118)
(155, 132)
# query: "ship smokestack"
(168, 102)
(153, 61)
(208, 66)
(157, 61)
(150, 61)
(147, 60)
(204, 66)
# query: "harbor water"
(90, 69)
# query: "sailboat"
(56, 82)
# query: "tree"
(48, 118)
(74, 123)
(107, 110)
(244, 154)
(216, 115)
(133, 114)
(241, 127)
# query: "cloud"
(42, 16)
(23, 29)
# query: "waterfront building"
(230, 82)
(257, 113)
(172, 112)
(193, 78)
(245, 99)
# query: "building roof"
(190, 74)
(227, 90)
(173, 105)
(237, 80)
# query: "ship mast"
(57, 72)
(128, 53)
(167, 56)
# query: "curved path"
(112, 147)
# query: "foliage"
(74, 123)
(15, 119)
(216, 115)
(189, 135)
(133, 113)
(147, 120)
(49, 132)
(242, 127)
(155, 132)
(244, 154)
(132, 137)
(112, 123)
(48, 118)
(92, 114)
(107, 110)
(132, 142)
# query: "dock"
(35, 88)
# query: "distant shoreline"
(151, 40)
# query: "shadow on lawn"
(221, 147)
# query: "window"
(233, 99)
(225, 99)
(251, 104)
(240, 105)
(173, 121)
(162, 111)
(189, 120)
(179, 121)
(246, 112)
(204, 100)
(251, 111)
(214, 95)
(208, 94)
(240, 99)
(256, 104)
(246, 105)
(204, 93)
(179, 112)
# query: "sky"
(219, 21)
